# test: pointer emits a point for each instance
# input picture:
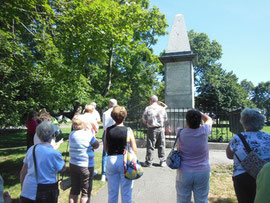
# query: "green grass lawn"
(266, 129)
(221, 185)
(12, 153)
(13, 150)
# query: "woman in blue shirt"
(48, 163)
(81, 144)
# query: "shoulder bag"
(173, 160)
(252, 163)
(132, 167)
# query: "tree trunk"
(109, 73)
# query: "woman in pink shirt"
(31, 125)
(193, 174)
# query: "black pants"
(29, 140)
(245, 188)
(26, 200)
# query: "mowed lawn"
(12, 153)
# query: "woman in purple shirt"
(193, 174)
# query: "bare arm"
(207, 119)
(133, 142)
(23, 173)
(56, 145)
(229, 152)
(163, 104)
(94, 127)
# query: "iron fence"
(225, 123)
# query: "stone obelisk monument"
(179, 77)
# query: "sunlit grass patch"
(221, 184)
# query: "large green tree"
(109, 43)
(208, 51)
(249, 87)
(32, 70)
(62, 54)
(214, 86)
(220, 89)
(262, 97)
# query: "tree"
(214, 86)
(220, 90)
(262, 97)
(208, 52)
(62, 54)
(32, 68)
(110, 42)
(249, 87)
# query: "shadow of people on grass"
(221, 200)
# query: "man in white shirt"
(107, 122)
(154, 117)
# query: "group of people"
(194, 173)
(42, 162)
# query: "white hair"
(113, 102)
(154, 98)
(252, 119)
(93, 104)
(46, 130)
(89, 108)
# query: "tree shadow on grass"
(13, 151)
(17, 138)
(10, 171)
(12, 138)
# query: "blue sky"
(242, 27)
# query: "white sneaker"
(95, 173)
(162, 163)
(103, 178)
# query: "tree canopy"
(208, 53)
(220, 90)
(62, 54)
(262, 97)
(214, 86)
